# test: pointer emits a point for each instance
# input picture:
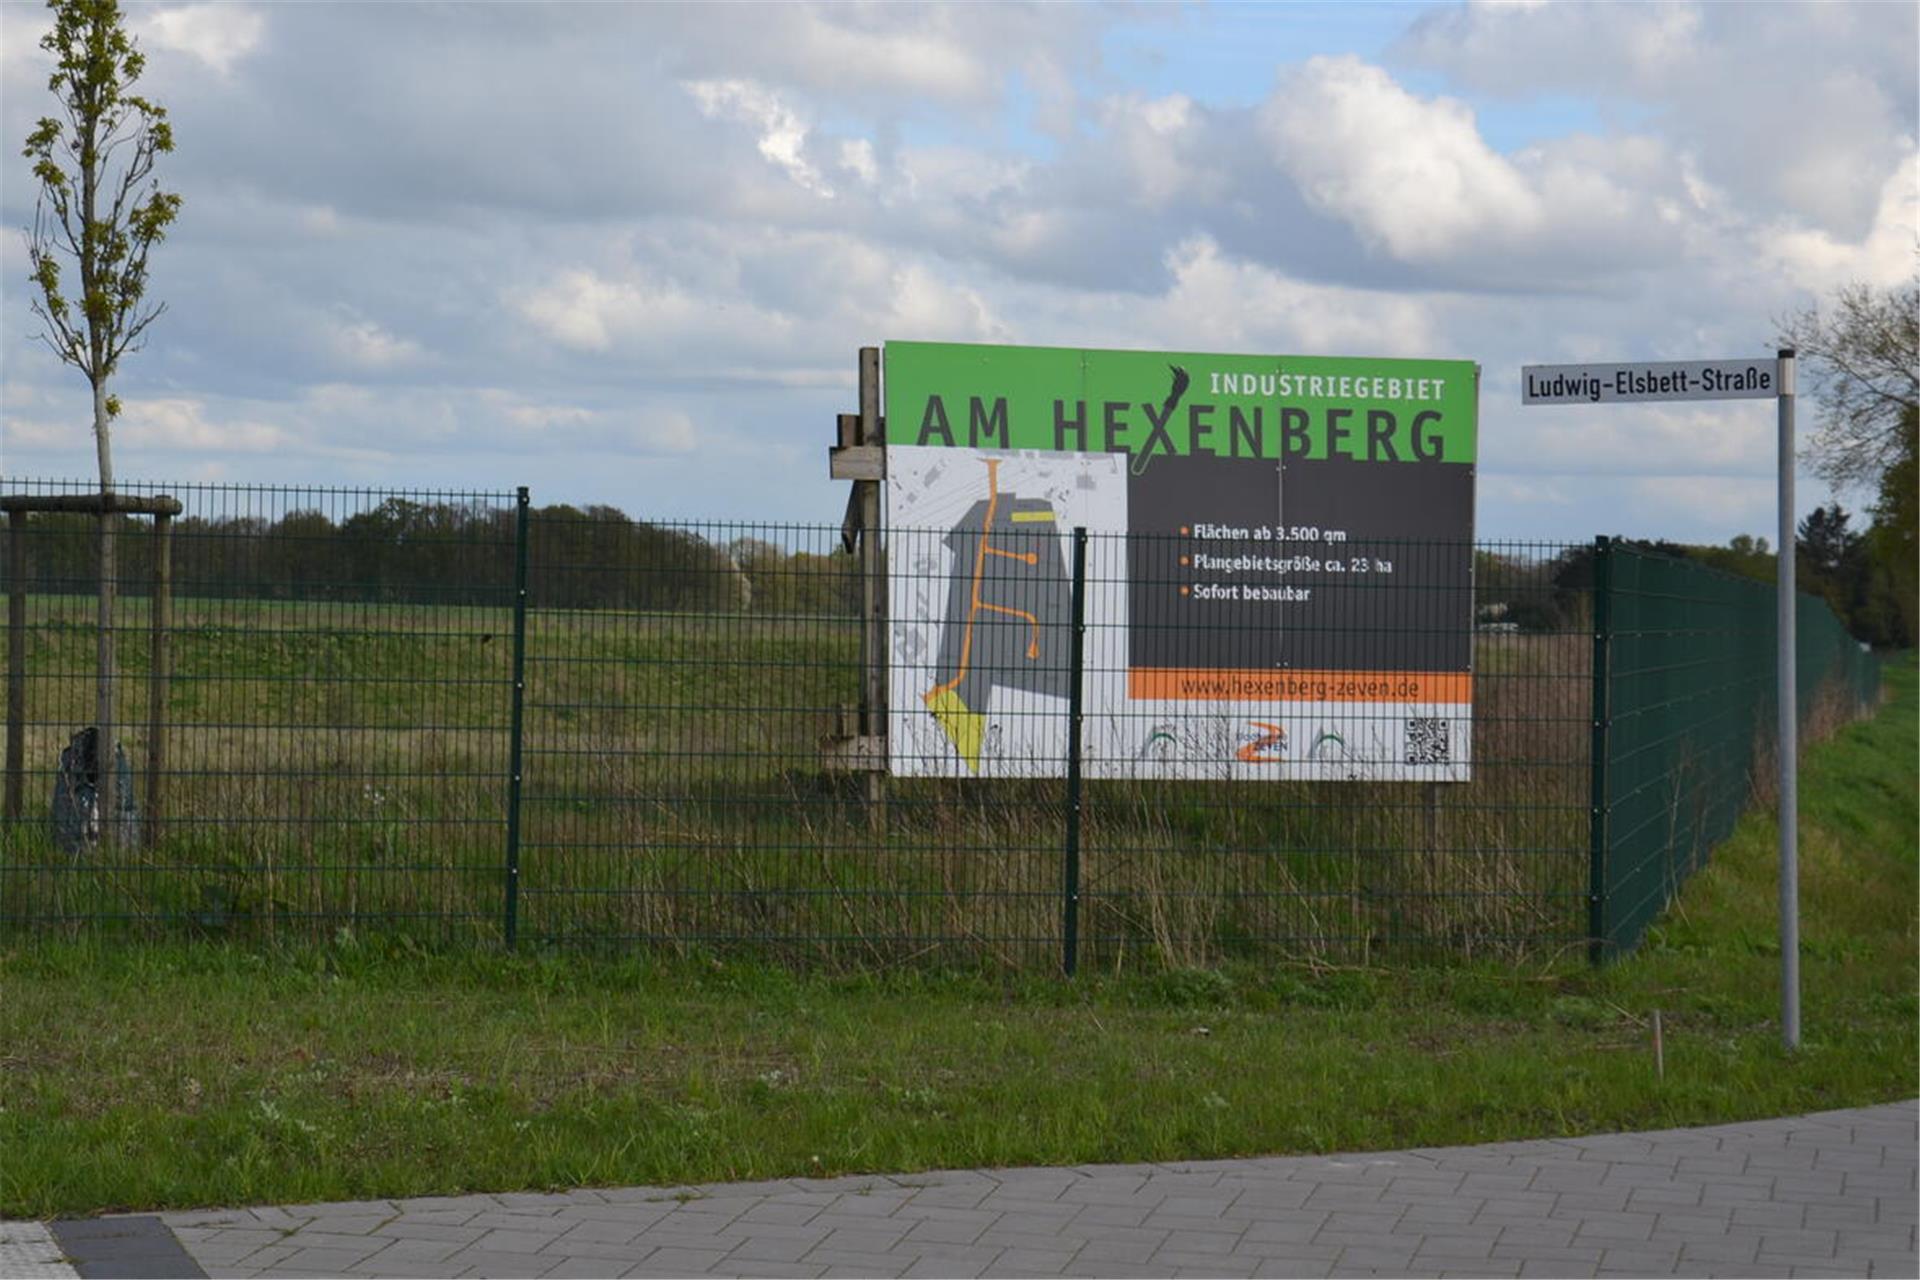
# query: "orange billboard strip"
(1215, 684)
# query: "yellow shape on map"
(967, 729)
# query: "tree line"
(1832, 560)
(404, 551)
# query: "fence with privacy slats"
(1686, 716)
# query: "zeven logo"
(1267, 745)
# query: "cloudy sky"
(626, 254)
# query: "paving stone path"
(1823, 1195)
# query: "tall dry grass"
(322, 775)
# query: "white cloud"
(1522, 48)
(939, 177)
(535, 417)
(366, 345)
(39, 434)
(579, 310)
(856, 156)
(593, 312)
(1532, 491)
(926, 305)
(1157, 139)
(13, 257)
(218, 35)
(21, 27)
(1411, 175)
(662, 431)
(320, 220)
(647, 430)
(1800, 108)
(783, 134)
(183, 424)
(1418, 184)
(948, 57)
(1220, 301)
(928, 61)
(1707, 438)
(1669, 506)
(1820, 262)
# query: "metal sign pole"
(1789, 731)
(1738, 379)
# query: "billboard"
(1279, 567)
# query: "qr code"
(1429, 741)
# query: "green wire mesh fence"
(461, 717)
(330, 700)
(1688, 706)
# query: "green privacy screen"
(1686, 686)
(1279, 572)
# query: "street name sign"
(1755, 379)
(1762, 378)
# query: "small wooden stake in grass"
(1659, 1050)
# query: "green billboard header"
(1151, 404)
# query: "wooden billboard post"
(859, 455)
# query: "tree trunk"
(107, 791)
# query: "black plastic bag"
(76, 792)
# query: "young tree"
(100, 212)
(1863, 368)
(1832, 563)
(1862, 365)
(1894, 543)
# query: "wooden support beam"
(92, 504)
(858, 462)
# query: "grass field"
(346, 763)
(177, 1074)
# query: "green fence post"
(1602, 701)
(519, 706)
(1076, 653)
(16, 665)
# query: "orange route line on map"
(1033, 641)
(975, 603)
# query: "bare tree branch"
(1862, 365)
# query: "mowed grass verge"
(140, 1077)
